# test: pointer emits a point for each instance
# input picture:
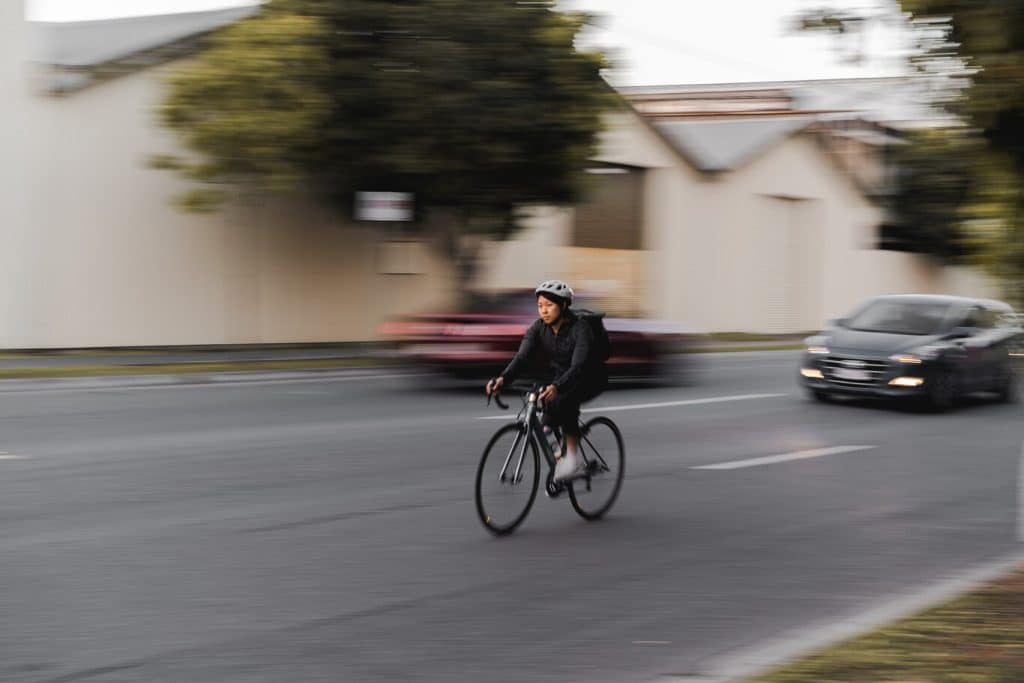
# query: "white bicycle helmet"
(555, 288)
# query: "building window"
(610, 215)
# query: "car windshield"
(901, 317)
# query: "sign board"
(384, 206)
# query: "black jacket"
(566, 353)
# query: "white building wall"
(107, 260)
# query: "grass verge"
(192, 368)
(977, 638)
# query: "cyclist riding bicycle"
(564, 340)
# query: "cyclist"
(564, 340)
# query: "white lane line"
(1020, 497)
(10, 456)
(784, 457)
(665, 404)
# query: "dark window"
(900, 317)
(610, 215)
(980, 318)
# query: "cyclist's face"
(548, 310)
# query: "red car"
(479, 341)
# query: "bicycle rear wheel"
(602, 447)
(506, 479)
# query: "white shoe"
(569, 467)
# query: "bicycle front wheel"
(506, 480)
(602, 447)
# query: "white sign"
(384, 206)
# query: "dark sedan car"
(478, 340)
(933, 348)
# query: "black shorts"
(564, 411)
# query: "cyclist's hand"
(494, 386)
(549, 393)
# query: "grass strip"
(192, 368)
(977, 638)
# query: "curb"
(172, 377)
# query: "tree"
(979, 45)
(476, 107)
(934, 181)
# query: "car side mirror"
(836, 322)
(961, 333)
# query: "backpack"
(601, 351)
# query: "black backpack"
(601, 351)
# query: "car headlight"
(918, 355)
(906, 358)
(817, 350)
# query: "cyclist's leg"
(564, 412)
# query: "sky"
(650, 41)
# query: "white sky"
(651, 41)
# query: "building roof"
(83, 44)
(894, 101)
(725, 144)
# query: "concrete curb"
(197, 379)
(171, 378)
(741, 664)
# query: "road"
(324, 530)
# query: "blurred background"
(256, 181)
(333, 188)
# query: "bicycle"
(510, 479)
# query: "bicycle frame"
(532, 428)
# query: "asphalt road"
(324, 530)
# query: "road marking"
(4, 455)
(665, 404)
(1020, 497)
(652, 642)
(785, 457)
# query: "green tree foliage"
(961, 184)
(477, 107)
(933, 185)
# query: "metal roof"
(79, 44)
(725, 144)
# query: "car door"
(978, 363)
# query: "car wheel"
(676, 370)
(941, 392)
(1006, 392)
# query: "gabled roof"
(725, 144)
(901, 101)
(84, 44)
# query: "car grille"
(854, 372)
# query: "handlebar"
(504, 406)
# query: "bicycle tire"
(579, 496)
(486, 513)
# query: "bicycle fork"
(524, 432)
